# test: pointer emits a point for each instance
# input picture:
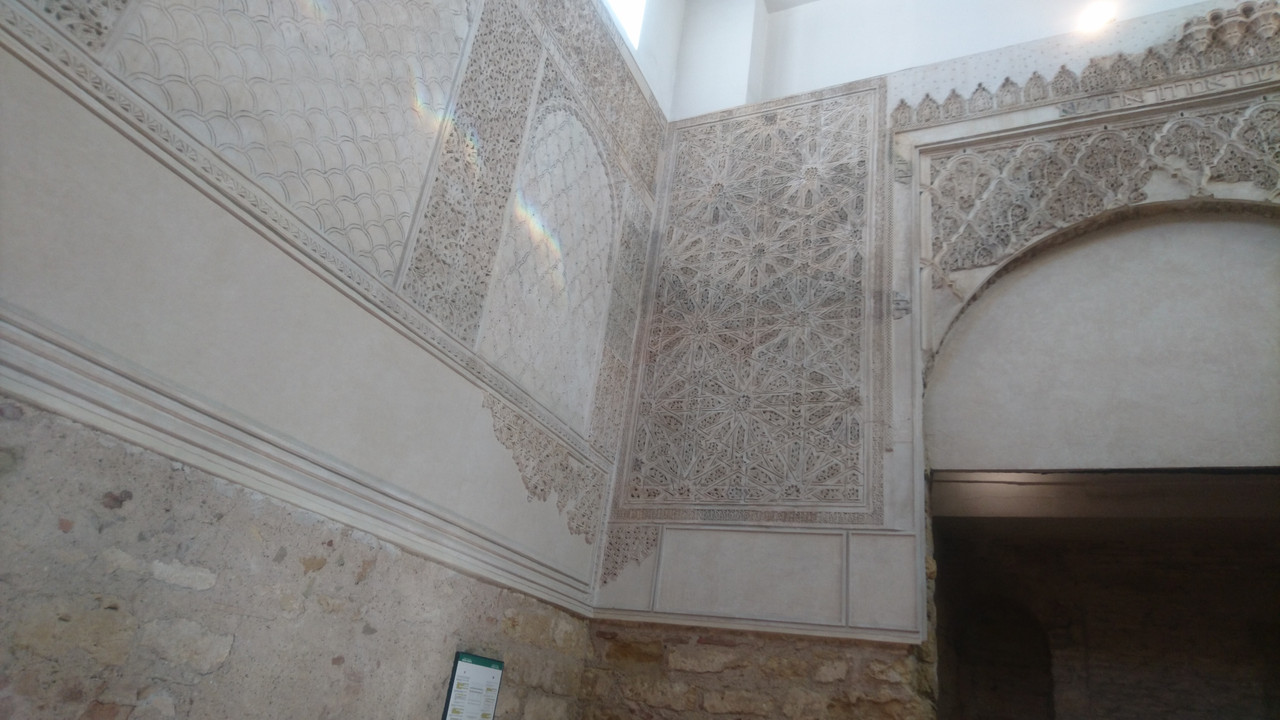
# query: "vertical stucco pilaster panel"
(448, 277)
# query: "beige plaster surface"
(1154, 343)
(776, 575)
(117, 253)
(882, 581)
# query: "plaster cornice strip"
(50, 370)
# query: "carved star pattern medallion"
(753, 386)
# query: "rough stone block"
(705, 658)
(659, 692)
(528, 627)
(802, 703)
(738, 702)
(52, 629)
(633, 652)
(545, 707)
(187, 576)
(831, 671)
(187, 643)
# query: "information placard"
(473, 688)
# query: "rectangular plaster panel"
(791, 577)
(884, 585)
(758, 397)
(105, 247)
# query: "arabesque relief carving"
(1246, 37)
(548, 300)
(630, 117)
(988, 202)
(754, 383)
(87, 21)
(548, 467)
(613, 381)
(626, 545)
(448, 273)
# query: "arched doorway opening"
(1102, 424)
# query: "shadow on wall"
(1001, 658)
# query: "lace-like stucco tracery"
(754, 383)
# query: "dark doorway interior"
(1108, 618)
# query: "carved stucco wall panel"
(592, 52)
(333, 110)
(613, 383)
(448, 275)
(1221, 50)
(545, 313)
(88, 22)
(755, 380)
(549, 468)
(992, 200)
(474, 175)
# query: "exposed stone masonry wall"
(684, 673)
(135, 587)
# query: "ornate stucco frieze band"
(549, 468)
(1223, 50)
(88, 22)
(627, 545)
(757, 377)
(991, 200)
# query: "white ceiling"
(703, 55)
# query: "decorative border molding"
(1224, 50)
(627, 545)
(547, 468)
(91, 386)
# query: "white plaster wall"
(759, 53)
(826, 42)
(715, 56)
(659, 48)
(791, 48)
(785, 576)
(103, 245)
(1152, 344)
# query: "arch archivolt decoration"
(984, 201)
(544, 318)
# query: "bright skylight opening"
(1096, 16)
(630, 16)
